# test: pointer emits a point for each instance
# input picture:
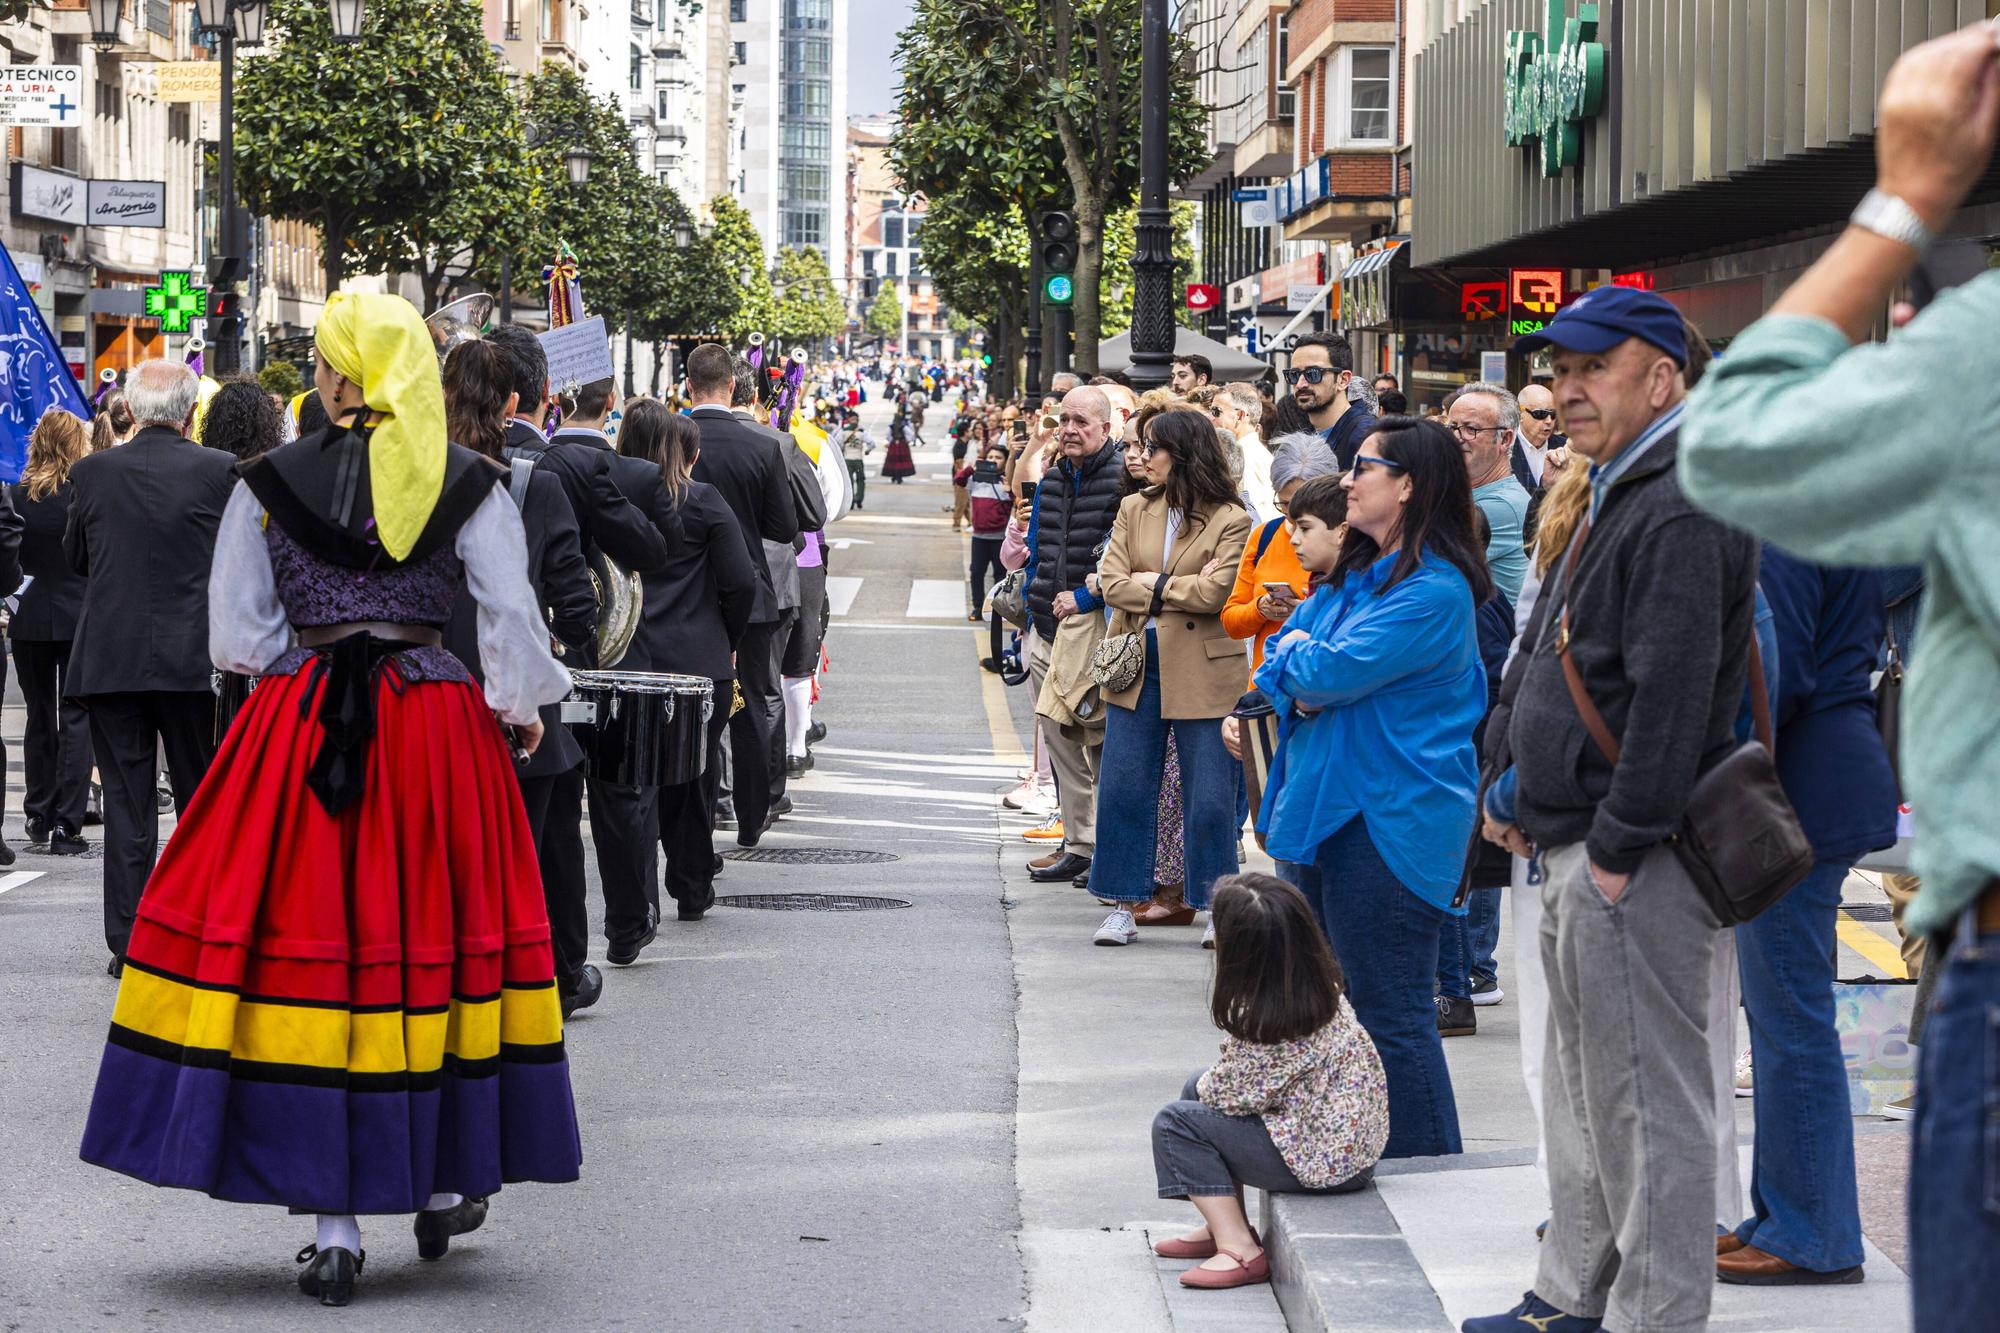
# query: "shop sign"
(176, 302)
(1479, 302)
(1302, 296)
(1203, 296)
(189, 80)
(54, 196)
(1638, 281)
(1274, 285)
(1554, 82)
(1533, 297)
(128, 203)
(44, 95)
(1244, 292)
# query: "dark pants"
(857, 468)
(985, 560)
(1386, 939)
(1465, 948)
(757, 734)
(1200, 1151)
(687, 822)
(622, 822)
(1803, 1195)
(1955, 1164)
(127, 732)
(56, 747)
(555, 819)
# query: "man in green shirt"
(1896, 477)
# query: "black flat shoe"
(1068, 867)
(67, 844)
(588, 988)
(816, 732)
(39, 830)
(624, 953)
(117, 967)
(330, 1274)
(435, 1228)
(6, 853)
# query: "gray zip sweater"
(1660, 624)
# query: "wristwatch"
(1886, 215)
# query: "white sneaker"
(1744, 1086)
(1208, 937)
(1030, 796)
(1118, 928)
(1903, 1108)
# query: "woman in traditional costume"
(339, 996)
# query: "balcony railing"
(510, 31)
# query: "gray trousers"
(1628, 1097)
(1200, 1151)
(1072, 761)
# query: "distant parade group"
(392, 637)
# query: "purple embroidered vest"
(316, 592)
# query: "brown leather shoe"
(1044, 862)
(1749, 1266)
(1727, 1243)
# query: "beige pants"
(1902, 888)
(1073, 763)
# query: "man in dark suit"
(561, 581)
(142, 533)
(1538, 455)
(745, 462)
(624, 821)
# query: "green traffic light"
(1059, 288)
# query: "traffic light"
(1055, 233)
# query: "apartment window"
(809, 97)
(1360, 110)
(661, 104)
(867, 263)
(808, 55)
(739, 11)
(802, 228)
(551, 26)
(892, 233)
(638, 68)
(742, 53)
(110, 104)
(889, 263)
(1288, 96)
(806, 183)
(807, 140)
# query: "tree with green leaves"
(739, 255)
(885, 313)
(340, 135)
(809, 308)
(986, 89)
(1120, 242)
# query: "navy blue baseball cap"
(1602, 318)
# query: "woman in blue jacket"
(1805, 1225)
(1378, 681)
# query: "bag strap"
(1593, 720)
(1159, 597)
(520, 470)
(1264, 541)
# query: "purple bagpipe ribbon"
(810, 558)
(788, 393)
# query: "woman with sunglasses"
(1166, 573)
(1378, 681)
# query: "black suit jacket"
(745, 463)
(141, 532)
(694, 612)
(561, 581)
(606, 519)
(52, 603)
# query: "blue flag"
(33, 375)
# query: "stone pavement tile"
(1339, 1261)
(1092, 1279)
(1473, 1232)
(1882, 1164)
(1238, 1310)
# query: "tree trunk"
(333, 250)
(659, 361)
(1089, 273)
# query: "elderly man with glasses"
(1484, 418)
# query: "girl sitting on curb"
(1296, 1103)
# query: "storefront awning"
(1367, 288)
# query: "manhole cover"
(810, 902)
(811, 856)
(1868, 911)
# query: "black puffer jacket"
(1074, 511)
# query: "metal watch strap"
(1887, 215)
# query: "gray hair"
(162, 393)
(1063, 381)
(1510, 406)
(1232, 453)
(1301, 456)
(1246, 400)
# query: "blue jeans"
(1466, 945)
(1128, 796)
(1802, 1191)
(1955, 1162)
(1386, 939)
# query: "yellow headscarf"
(810, 437)
(380, 343)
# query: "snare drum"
(640, 728)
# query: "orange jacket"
(1280, 564)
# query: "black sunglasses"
(1362, 462)
(1311, 374)
(1541, 413)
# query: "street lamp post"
(576, 163)
(1153, 250)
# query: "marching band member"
(347, 921)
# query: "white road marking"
(842, 543)
(934, 599)
(840, 593)
(18, 878)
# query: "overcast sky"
(872, 28)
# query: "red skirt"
(896, 462)
(343, 1014)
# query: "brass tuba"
(620, 597)
(461, 321)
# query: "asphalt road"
(790, 1119)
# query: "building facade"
(886, 228)
(792, 78)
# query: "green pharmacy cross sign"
(1555, 83)
(177, 302)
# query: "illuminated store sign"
(1533, 297)
(1555, 81)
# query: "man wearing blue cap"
(1652, 609)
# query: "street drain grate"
(1868, 911)
(811, 902)
(811, 856)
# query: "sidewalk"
(1106, 1037)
